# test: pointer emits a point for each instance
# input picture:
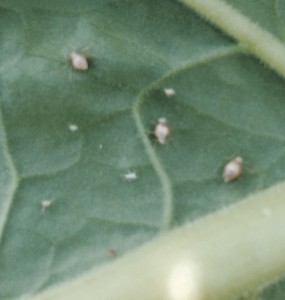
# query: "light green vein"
(164, 179)
(8, 177)
(157, 165)
(258, 41)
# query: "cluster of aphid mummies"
(232, 170)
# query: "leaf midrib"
(257, 41)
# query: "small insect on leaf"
(79, 61)
(73, 127)
(233, 169)
(112, 252)
(169, 92)
(46, 204)
(130, 176)
(162, 130)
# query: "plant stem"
(225, 255)
(258, 41)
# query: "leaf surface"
(226, 103)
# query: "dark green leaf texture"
(226, 104)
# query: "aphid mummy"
(169, 92)
(73, 127)
(46, 204)
(233, 169)
(162, 130)
(112, 252)
(79, 61)
(130, 176)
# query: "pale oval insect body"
(46, 204)
(169, 92)
(130, 176)
(162, 130)
(73, 127)
(233, 169)
(79, 61)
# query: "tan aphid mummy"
(79, 61)
(112, 252)
(162, 130)
(233, 169)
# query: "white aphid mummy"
(162, 130)
(233, 169)
(130, 176)
(169, 92)
(46, 204)
(79, 61)
(73, 127)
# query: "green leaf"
(197, 261)
(70, 137)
